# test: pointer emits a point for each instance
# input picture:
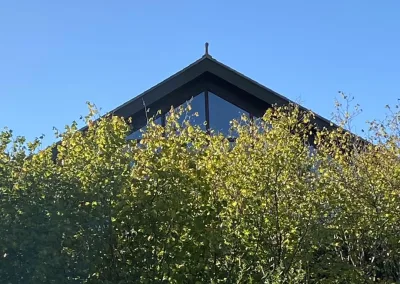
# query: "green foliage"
(185, 206)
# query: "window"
(221, 113)
(198, 106)
(138, 133)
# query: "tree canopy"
(284, 202)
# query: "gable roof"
(205, 72)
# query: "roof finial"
(206, 53)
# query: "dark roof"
(204, 71)
(203, 74)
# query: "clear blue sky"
(56, 55)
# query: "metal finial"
(207, 49)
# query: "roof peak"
(206, 53)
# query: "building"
(217, 92)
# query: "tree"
(186, 206)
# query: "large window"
(221, 113)
(198, 106)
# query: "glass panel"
(221, 113)
(138, 133)
(198, 105)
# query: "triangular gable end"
(204, 75)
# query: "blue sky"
(56, 55)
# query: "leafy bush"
(184, 206)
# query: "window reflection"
(197, 104)
(221, 113)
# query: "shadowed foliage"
(186, 206)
